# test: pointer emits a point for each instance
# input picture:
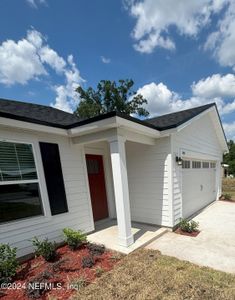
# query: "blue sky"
(179, 53)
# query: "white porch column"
(121, 190)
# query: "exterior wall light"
(179, 160)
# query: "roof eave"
(112, 120)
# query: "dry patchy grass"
(229, 186)
(146, 274)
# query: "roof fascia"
(12, 123)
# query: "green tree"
(110, 96)
(229, 158)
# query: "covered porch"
(106, 233)
(105, 154)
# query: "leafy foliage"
(229, 158)
(110, 96)
(188, 226)
(36, 287)
(74, 238)
(96, 249)
(8, 263)
(88, 261)
(227, 197)
(45, 248)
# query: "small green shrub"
(36, 287)
(96, 249)
(227, 197)
(188, 226)
(74, 238)
(45, 248)
(8, 263)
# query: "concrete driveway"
(213, 247)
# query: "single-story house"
(58, 171)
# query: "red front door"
(95, 170)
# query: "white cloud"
(50, 57)
(215, 86)
(161, 100)
(67, 98)
(154, 19)
(229, 129)
(19, 61)
(105, 60)
(29, 58)
(222, 41)
(35, 38)
(36, 3)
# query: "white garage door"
(198, 185)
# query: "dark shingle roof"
(36, 113)
(46, 115)
(175, 119)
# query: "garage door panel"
(198, 189)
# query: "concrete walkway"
(213, 247)
(106, 232)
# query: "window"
(186, 164)
(213, 165)
(92, 166)
(19, 185)
(196, 164)
(205, 164)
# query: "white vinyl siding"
(196, 142)
(148, 180)
(18, 233)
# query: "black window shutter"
(54, 177)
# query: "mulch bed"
(193, 234)
(61, 274)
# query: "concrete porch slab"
(106, 233)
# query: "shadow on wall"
(147, 179)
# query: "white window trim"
(12, 182)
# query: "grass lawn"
(146, 274)
(229, 187)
